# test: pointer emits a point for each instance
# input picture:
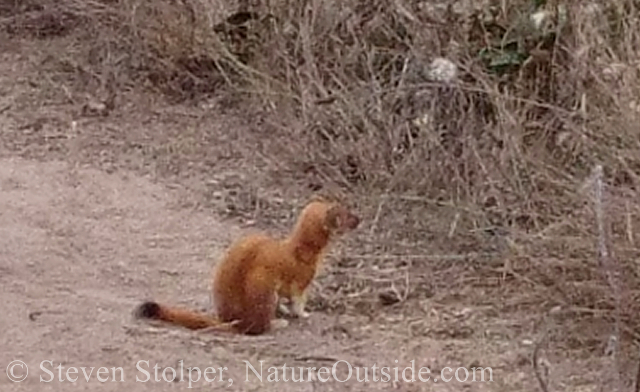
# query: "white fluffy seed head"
(538, 18)
(442, 70)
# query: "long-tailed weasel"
(258, 270)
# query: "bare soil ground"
(100, 215)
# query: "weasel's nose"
(355, 221)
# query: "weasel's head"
(336, 217)
(340, 220)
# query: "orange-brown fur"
(258, 270)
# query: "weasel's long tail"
(182, 317)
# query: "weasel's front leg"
(283, 308)
(297, 301)
(298, 304)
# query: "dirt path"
(81, 248)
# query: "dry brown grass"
(500, 162)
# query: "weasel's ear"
(324, 197)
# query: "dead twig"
(637, 388)
(536, 361)
(462, 256)
(536, 368)
(314, 358)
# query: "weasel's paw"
(284, 309)
(279, 323)
(303, 314)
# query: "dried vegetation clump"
(464, 127)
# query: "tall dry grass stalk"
(610, 272)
